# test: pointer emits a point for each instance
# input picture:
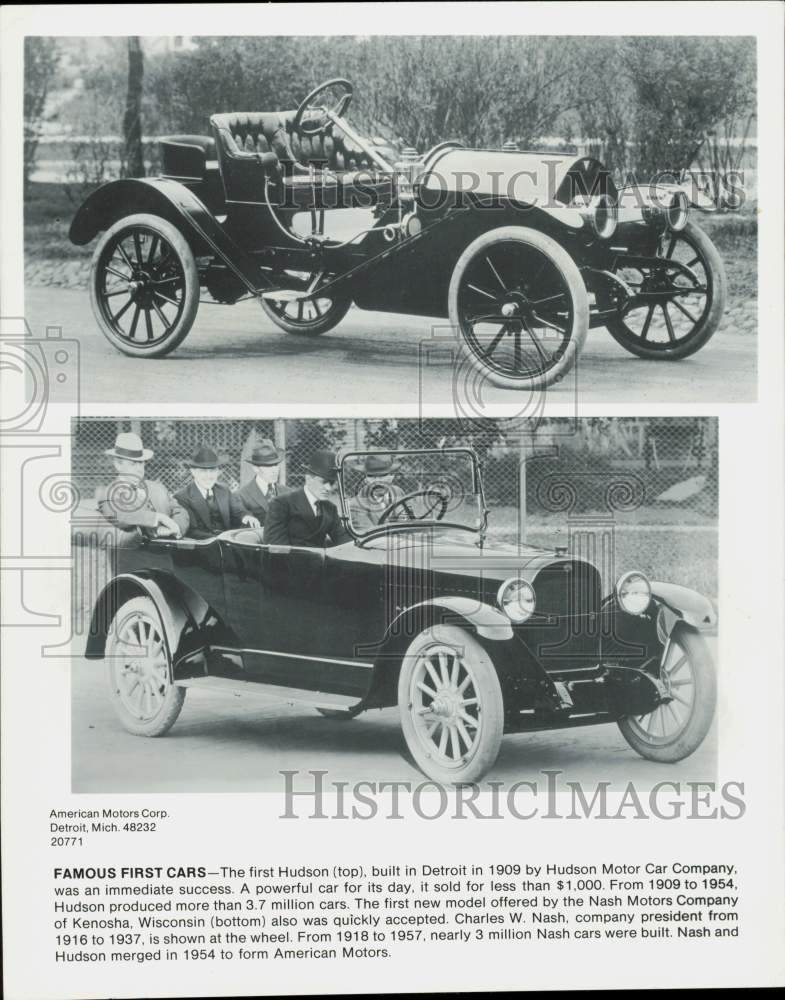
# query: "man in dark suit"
(257, 495)
(211, 507)
(307, 517)
(135, 506)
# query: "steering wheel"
(438, 499)
(306, 104)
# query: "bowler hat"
(129, 445)
(322, 464)
(265, 453)
(380, 463)
(205, 458)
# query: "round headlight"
(633, 592)
(677, 211)
(517, 599)
(602, 214)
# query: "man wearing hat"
(134, 505)
(307, 516)
(211, 507)
(256, 496)
(376, 492)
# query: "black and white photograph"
(392, 448)
(275, 218)
(263, 593)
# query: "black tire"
(439, 753)
(307, 317)
(147, 264)
(650, 332)
(508, 284)
(136, 647)
(689, 665)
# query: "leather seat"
(258, 147)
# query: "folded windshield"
(399, 489)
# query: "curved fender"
(487, 621)
(173, 202)
(687, 605)
(180, 613)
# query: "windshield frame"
(416, 525)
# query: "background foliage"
(649, 102)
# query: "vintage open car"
(522, 252)
(419, 608)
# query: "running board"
(241, 688)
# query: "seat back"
(241, 137)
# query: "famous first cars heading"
(523, 252)
(470, 640)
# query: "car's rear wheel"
(138, 670)
(519, 306)
(306, 316)
(452, 710)
(687, 289)
(144, 286)
(676, 728)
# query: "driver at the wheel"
(376, 492)
(307, 516)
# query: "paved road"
(235, 353)
(227, 743)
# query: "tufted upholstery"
(252, 146)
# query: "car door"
(278, 606)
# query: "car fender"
(684, 605)
(171, 201)
(184, 615)
(490, 627)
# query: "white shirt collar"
(312, 500)
(264, 486)
(203, 491)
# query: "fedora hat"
(206, 458)
(265, 453)
(129, 445)
(380, 463)
(322, 464)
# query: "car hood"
(451, 558)
(529, 178)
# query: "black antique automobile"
(522, 252)
(471, 640)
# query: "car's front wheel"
(138, 670)
(451, 704)
(144, 286)
(678, 726)
(518, 303)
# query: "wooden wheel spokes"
(445, 705)
(141, 669)
(674, 300)
(304, 311)
(141, 287)
(669, 719)
(516, 310)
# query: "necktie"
(272, 490)
(318, 508)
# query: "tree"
(41, 59)
(685, 87)
(132, 119)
